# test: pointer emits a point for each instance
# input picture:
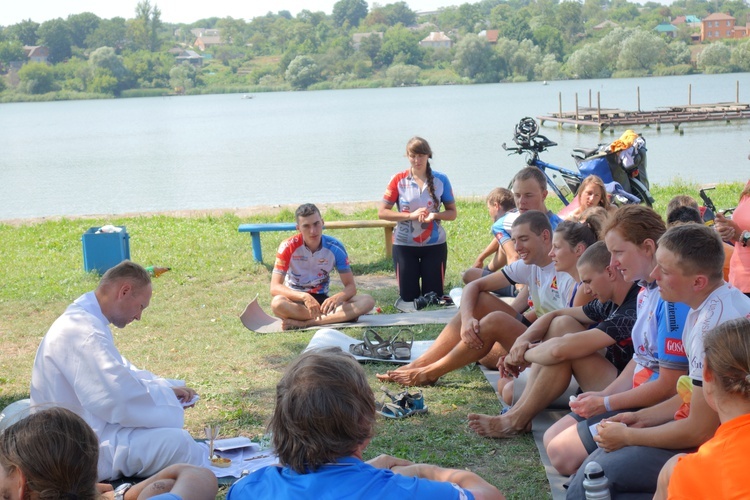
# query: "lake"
(223, 151)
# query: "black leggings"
(413, 263)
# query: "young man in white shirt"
(484, 319)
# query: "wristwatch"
(745, 238)
(121, 490)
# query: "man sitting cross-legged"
(484, 319)
(301, 276)
(568, 348)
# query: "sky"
(178, 11)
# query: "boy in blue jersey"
(499, 202)
(322, 424)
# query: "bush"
(678, 69)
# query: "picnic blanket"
(255, 319)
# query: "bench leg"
(388, 242)
(257, 250)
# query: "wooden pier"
(608, 118)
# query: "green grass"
(192, 330)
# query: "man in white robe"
(137, 415)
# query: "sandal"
(374, 346)
(399, 347)
(403, 404)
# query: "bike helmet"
(526, 130)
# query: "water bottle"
(562, 185)
(455, 295)
(595, 483)
(157, 271)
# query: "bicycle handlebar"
(536, 144)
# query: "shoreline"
(345, 207)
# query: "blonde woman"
(591, 193)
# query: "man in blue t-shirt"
(322, 424)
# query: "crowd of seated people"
(650, 318)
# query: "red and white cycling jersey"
(309, 272)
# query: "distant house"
(189, 56)
(490, 35)
(36, 53)
(720, 26)
(605, 25)
(666, 29)
(199, 32)
(436, 39)
(206, 42)
(358, 37)
(692, 21)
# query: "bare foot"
(411, 377)
(498, 426)
(293, 324)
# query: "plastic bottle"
(596, 483)
(455, 294)
(562, 185)
(157, 271)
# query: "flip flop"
(399, 347)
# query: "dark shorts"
(632, 471)
(508, 291)
(584, 428)
(320, 297)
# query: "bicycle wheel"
(645, 196)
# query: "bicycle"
(625, 183)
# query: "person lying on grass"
(322, 423)
(301, 277)
(568, 348)
(484, 319)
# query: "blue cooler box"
(102, 251)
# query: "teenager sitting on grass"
(569, 240)
(529, 192)
(484, 319)
(322, 423)
(719, 468)
(658, 360)
(499, 202)
(53, 454)
(568, 348)
(301, 277)
(633, 446)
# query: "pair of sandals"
(402, 405)
(374, 346)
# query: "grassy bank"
(191, 330)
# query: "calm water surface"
(222, 151)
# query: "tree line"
(537, 40)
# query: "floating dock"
(608, 118)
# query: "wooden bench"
(256, 229)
